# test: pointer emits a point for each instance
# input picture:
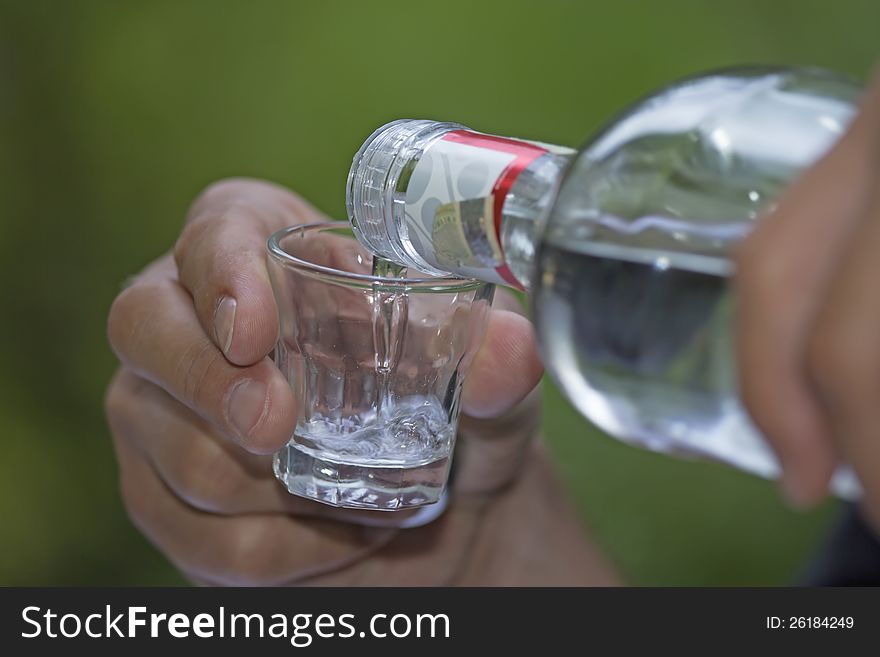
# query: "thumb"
(507, 366)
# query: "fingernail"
(224, 322)
(247, 404)
(794, 493)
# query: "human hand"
(809, 318)
(197, 407)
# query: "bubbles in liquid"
(413, 431)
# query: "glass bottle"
(624, 245)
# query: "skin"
(197, 407)
(809, 318)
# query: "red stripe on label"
(525, 154)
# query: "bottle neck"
(524, 209)
(446, 200)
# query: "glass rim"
(340, 276)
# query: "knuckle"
(221, 195)
(270, 204)
(128, 319)
(187, 239)
(226, 250)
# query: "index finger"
(783, 269)
(221, 258)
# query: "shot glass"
(376, 366)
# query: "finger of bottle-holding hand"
(843, 356)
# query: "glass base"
(359, 485)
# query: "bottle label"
(464, 235)
(454, 200)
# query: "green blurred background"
(114, 115)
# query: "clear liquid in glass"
(395, 454)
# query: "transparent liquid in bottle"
(631, 293)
